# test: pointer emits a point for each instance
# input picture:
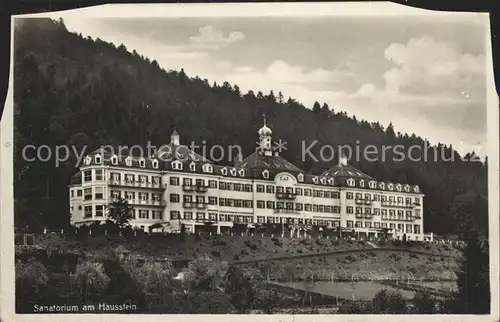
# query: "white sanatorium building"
(263, 188)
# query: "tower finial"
(264, 115)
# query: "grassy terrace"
(285, 258)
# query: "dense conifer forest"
(71, 90)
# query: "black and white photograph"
(263, 159)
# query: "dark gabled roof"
(346, 171)
(259, 161)
(171, 152)
(76, 178)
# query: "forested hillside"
(81, 91)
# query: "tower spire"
(264, 115)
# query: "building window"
(376, 197)
(192, 166)
(269, 189)
(175, 215)
(87, 194)
(349, 223)
(307, 192)
(207, 168)
(308, 207)
(87, 211)
(223, 171)
(156, 214)
(87, 176)
(260, 188)
(142, 163)
(98, 175)
(299, 206)
(174, 181)
(265, 174)
(299, 191)
(174, 197)
(212, 200)
(361, 183)
(350, 182)
(128, 161)
(99, 193)
(143, 214)
(416, 229)
(350, 209)
(270, 204)
(368, 224)
(336, 209)
(99, 210)
(359, 224)
(212, 184)
(408, 229)
(349, 195)
(114, 160)
(79, 193)
(300, 177)
(72, 193)
(335, 195)
(154, 163)
(260, 204)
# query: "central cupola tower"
(265, 137)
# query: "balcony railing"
(188, 204)
(133, 183)
(286, 195)
(147, 202)
(395, 204)
(286, 211)
(201, 187)
(359, 201)
(201, 204)
(187, 187)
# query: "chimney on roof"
(175, 138)
(342, 160)
(239, 160)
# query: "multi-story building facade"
(177, 186)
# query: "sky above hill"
(424, 74)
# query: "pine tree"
(473, 295)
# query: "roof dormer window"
(381, 185)
(265, 174)
(315, 180)
(176, 165)
(192, 166)
(362, 183)
(407, 188)
(98, 159)
(241, 172)
(114, 160)
(373, 184)
(350, 182)
(398, 187)
(207, 168)
(87, 160)
(142, 163)
(323, 180)
(223, 171)
(416, 189)
(330, 181)
(128, 161)
(390, 186)
(300, 177)
(232, 171)
(154, 163)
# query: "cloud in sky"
(425, 80)
(210, 37)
